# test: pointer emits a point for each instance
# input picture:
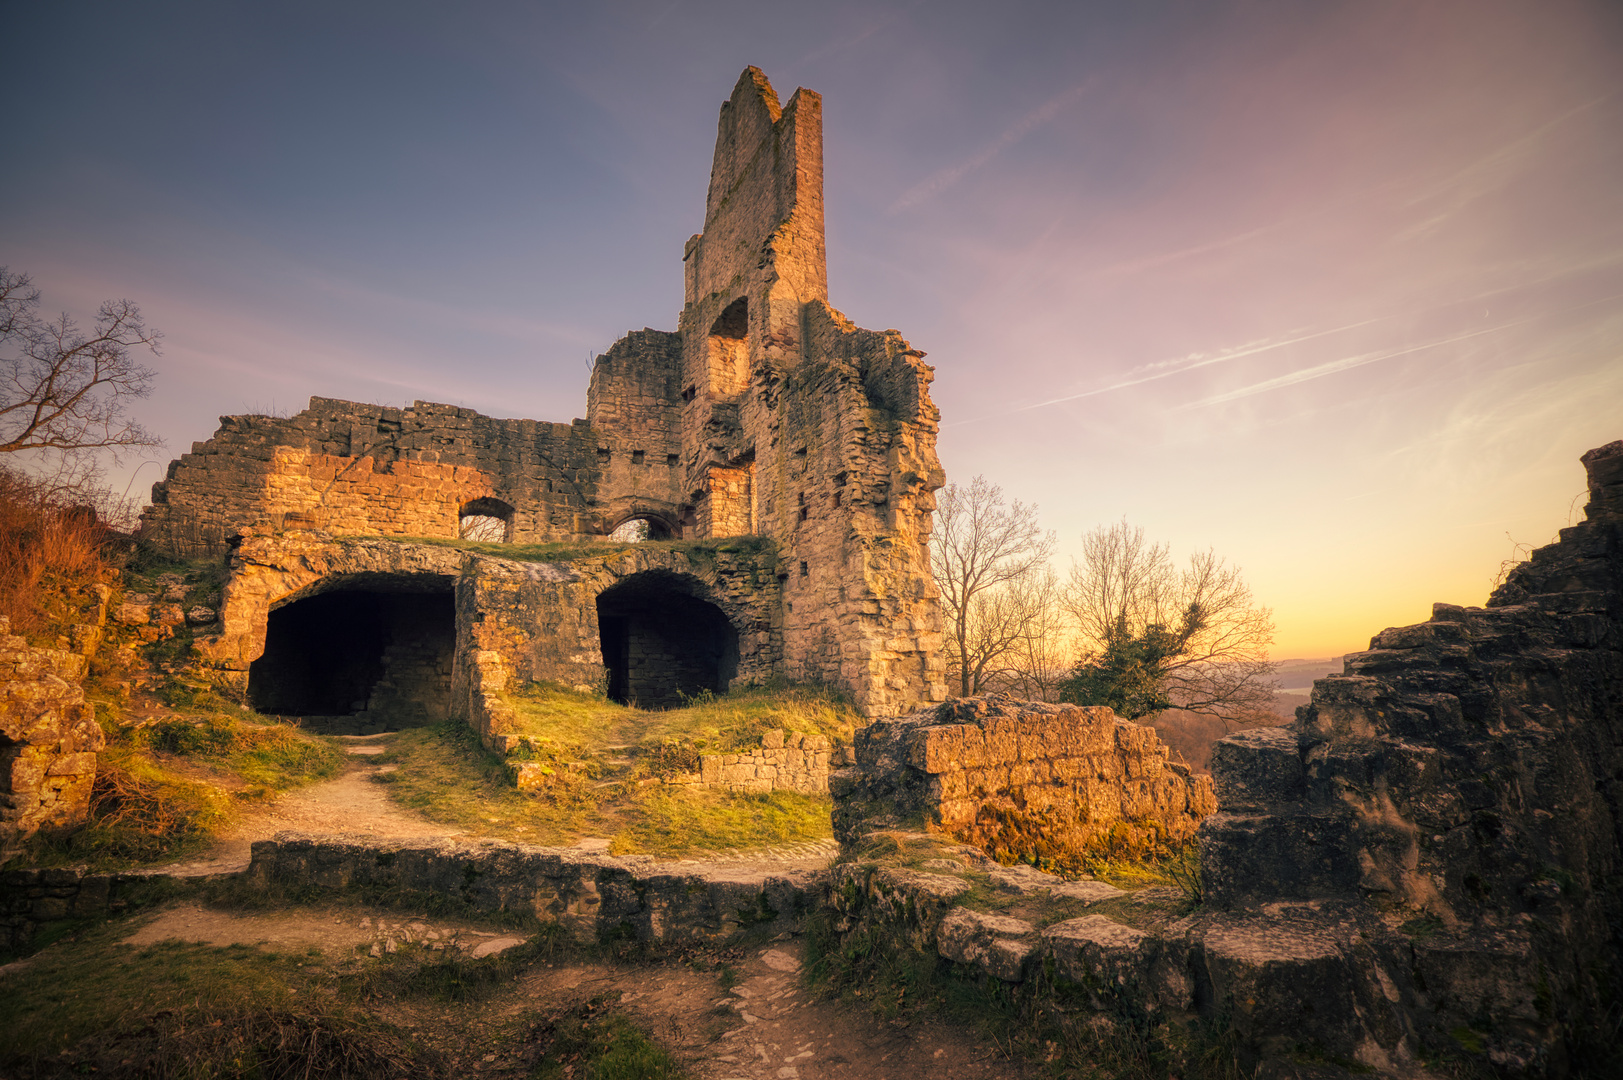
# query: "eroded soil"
(738, 1014)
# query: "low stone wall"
(786, 761)
(48, 733)
(985, 769)
(32, 898)
(591, 896)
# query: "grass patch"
(446, 775)
(562, 724)
(266, 756)
(569, 552)
(594, 1040)
(67, 994)
(164, 793)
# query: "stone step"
(1276, 856)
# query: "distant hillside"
(1192, 734)
(1295, 678)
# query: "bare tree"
(1155, 636)
(63, 391)
(1039, 659)
(981, 546)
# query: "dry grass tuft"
(47, 548)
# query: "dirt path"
(352, 804)
(766, 1026)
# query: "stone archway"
(377, 645)
(663, 641)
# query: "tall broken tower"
(767, 413)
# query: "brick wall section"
(966, 767)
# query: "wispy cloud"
(1166, 369)
(943, 179)
(1347, 363)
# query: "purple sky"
(1336, 289)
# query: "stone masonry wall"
(371, 469)
(48, 732)
(975, 767)
(828, 446)
(786, 761)
(592, 897)
(514, 621)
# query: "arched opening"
(377, 649)
(661, 642)
(728, 349)
(486, 520)
(637, 529)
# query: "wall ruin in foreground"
(1422, 876)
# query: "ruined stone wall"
(48, 737)
(767, 414)
(373, 470)
(786, 761)
(538, 622)
(523, 621)
(1447, 818)
(590, 897)
(634, 407)
(977, 768)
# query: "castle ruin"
(795, 447)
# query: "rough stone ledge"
(592, 896)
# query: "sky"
(1335, 289)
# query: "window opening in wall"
(637, 529)
(805, 511)
(836, 500)
(662, 642)
(672, 460)
(488, 521)
(728, 349)
(690, 393)
(380, 652)
(804, 570)
(636, 457)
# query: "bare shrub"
(46, 548)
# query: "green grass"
(79, 989)
(93, 1005)
(268, 757)
(594, 1041)
(570, 551)
(165, 792)
(446, 775)
(562, 724)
